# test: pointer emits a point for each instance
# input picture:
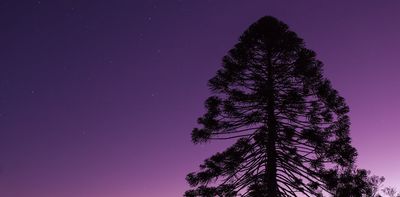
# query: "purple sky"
(98, 98)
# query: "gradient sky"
(98, 98)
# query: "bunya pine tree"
(289, 128)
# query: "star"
(37, 4)
(141, 36)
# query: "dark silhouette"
(290, 127)
(352, 182)
(390, 191)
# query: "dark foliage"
(353, 182)
(290, 126)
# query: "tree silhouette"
(354, 182)
(390, 191)
(289, 126)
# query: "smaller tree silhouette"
(353, 182)
(391, 192)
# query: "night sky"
(98, 98)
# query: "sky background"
(98, 98)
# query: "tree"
(289, 126)
(353, 182)
(391, 192)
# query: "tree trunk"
(271, 182)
